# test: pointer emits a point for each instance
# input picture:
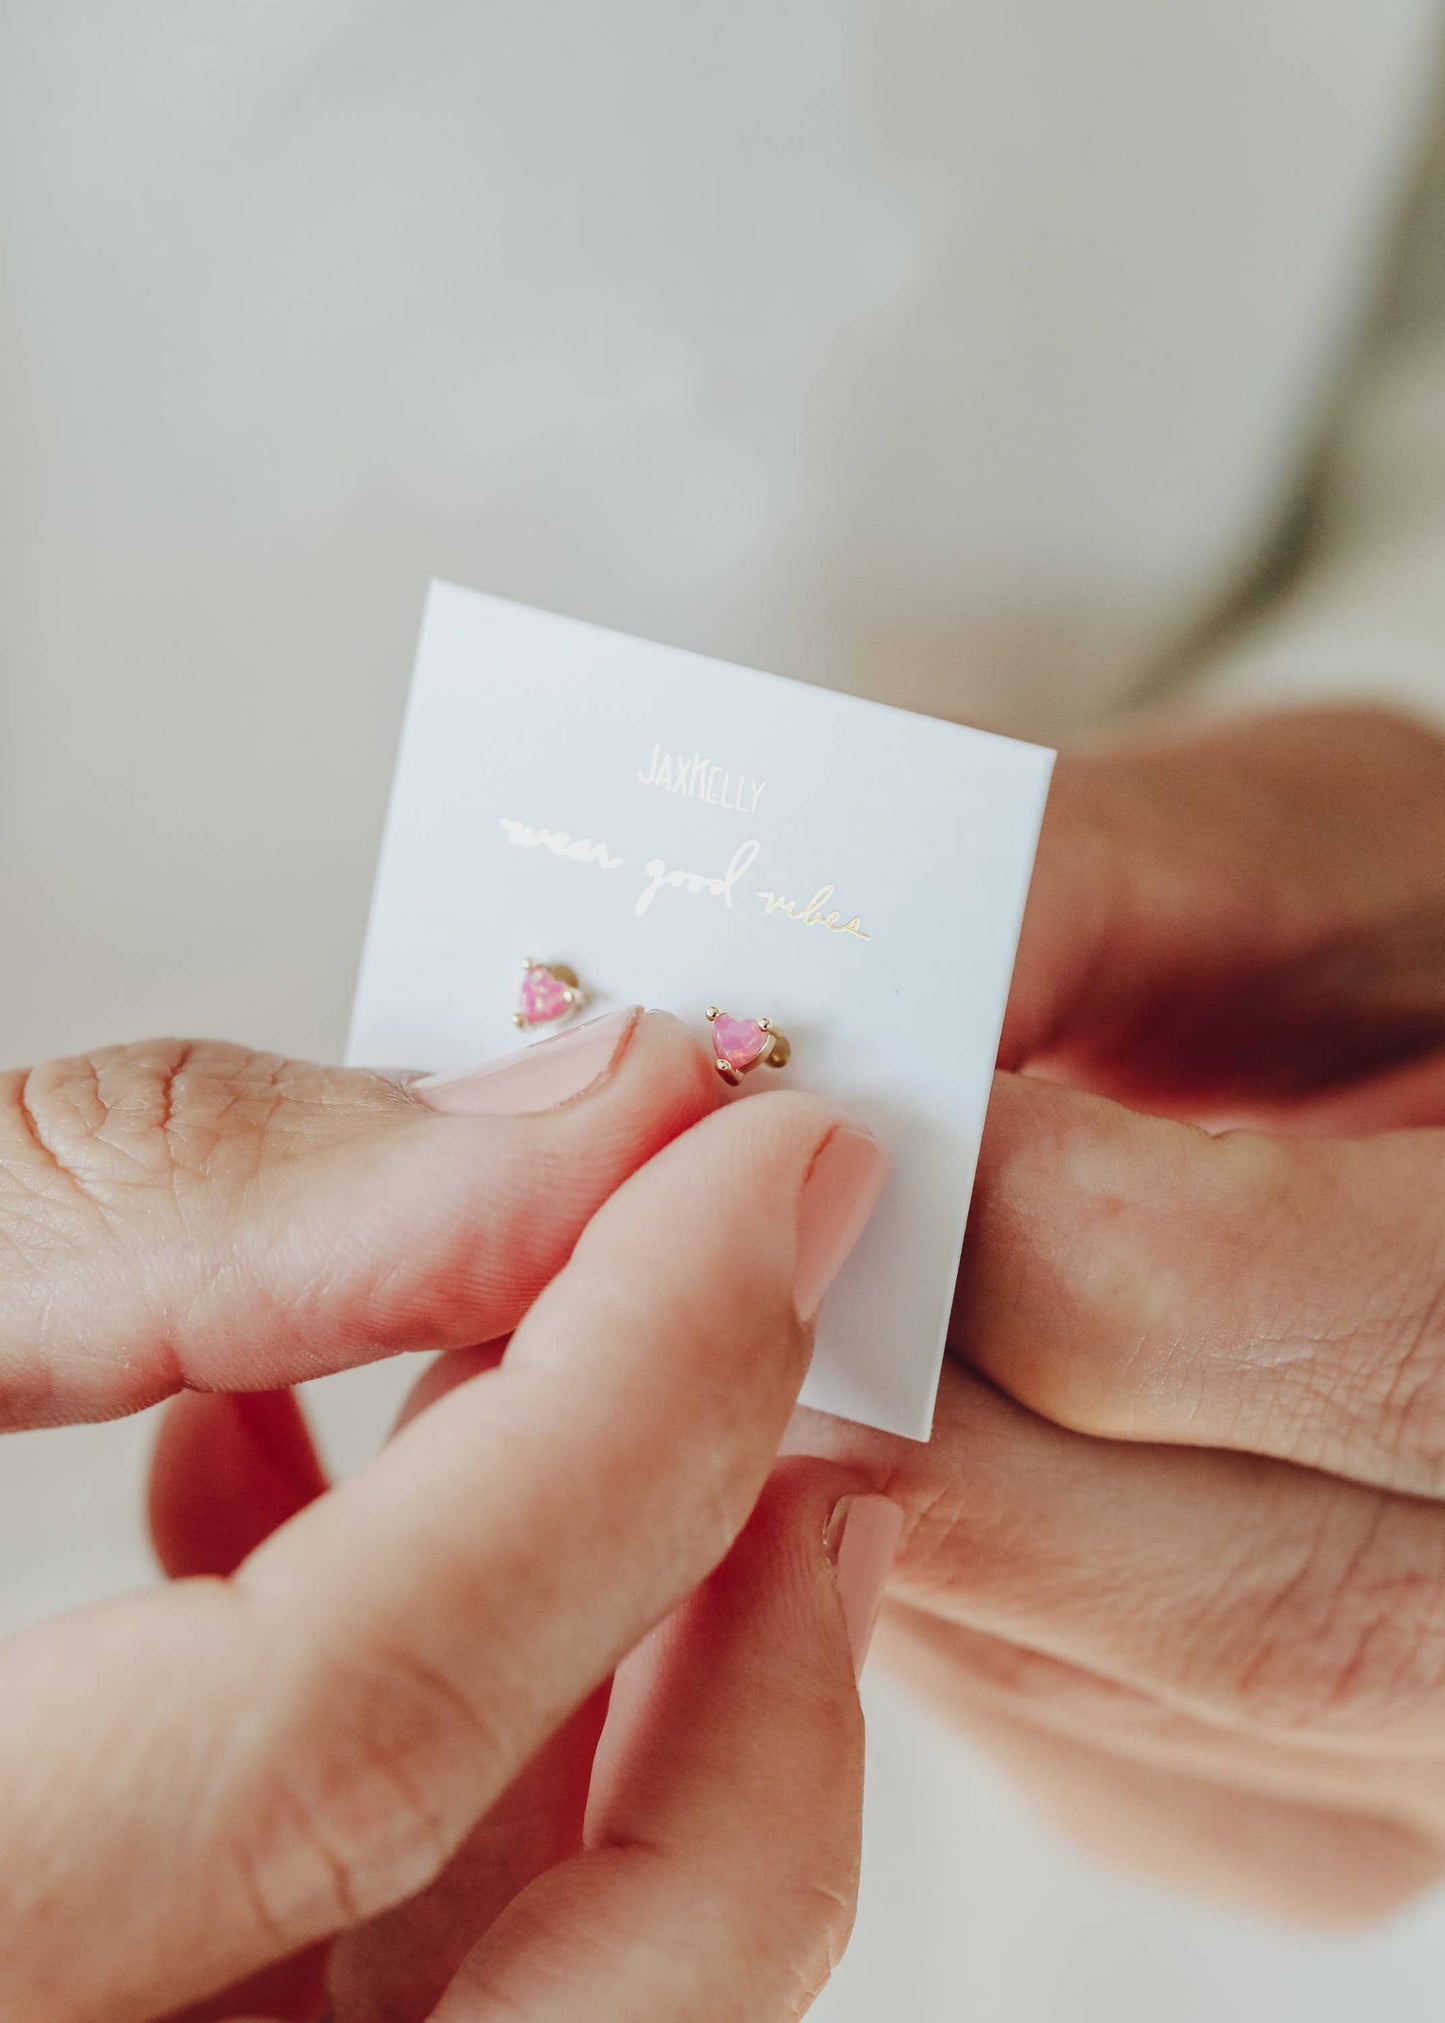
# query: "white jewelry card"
(686, 834)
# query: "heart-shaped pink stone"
(739, 1042)
(543, 996)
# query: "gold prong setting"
(740, 1045)
(549, 993)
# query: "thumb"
(179, 1214)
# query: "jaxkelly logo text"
(694, 774)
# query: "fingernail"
(838, 1195)
(862, 1542)
(544, 1075)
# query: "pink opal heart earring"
(549, 992)
(739, 1045)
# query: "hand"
(1178, 1546)
(382, 1725)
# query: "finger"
(721, 1868)
(396, 1967)
(1243, 914)
(293, 1991)
(177, 1215)
(285, 1755)
(1143, 1279)
(974, 1677)
(227, 1470)
(1264, 1599)
(1251, 1852)
(1396, 1099)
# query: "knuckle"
(807, 1920)
(1352, 1636)
(120, 1174)
(1361, 1391)
(947, 1547)
(827, 1876)
(997, 1675)
(819, 1911)
(291, 1870)
(1085, 1315)
(1399, 1395)
(124, 1118)
(802, 1920)
(391, 1765)
(166, 1110)
(973, 1539)
(1208, 1198)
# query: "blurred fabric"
(1014, 360)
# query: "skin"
(343, 1759)
(1177, 1548)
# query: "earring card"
(682, 833)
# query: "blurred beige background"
(972, 356)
